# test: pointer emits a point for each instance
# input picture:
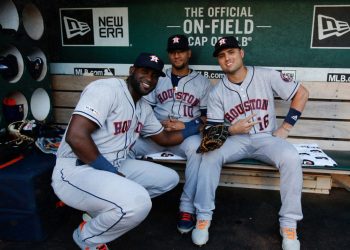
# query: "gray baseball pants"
(266, 148)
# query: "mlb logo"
(77, 27)
(331, 27)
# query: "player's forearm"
(166, 138)
(300, 99)
(83, 147)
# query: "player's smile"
(145, 84)
(142, 80)
(230, 59)
(179, 58)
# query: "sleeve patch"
(91, 109)
(286, 77)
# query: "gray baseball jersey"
(183, 102)
(117, 204)
(119, 119)
(231, 102)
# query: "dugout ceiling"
(289, 34)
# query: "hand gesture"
(243, 126)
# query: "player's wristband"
(192, 127)
(102, 163)
(292, 116)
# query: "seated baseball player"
(180, 102)
(92, 171)
(243, 101)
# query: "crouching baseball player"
(244, 101)
(92, 171)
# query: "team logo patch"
(286, 77)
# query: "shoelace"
(202, 224)
(289, 233)
(186, 216)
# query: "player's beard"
(180, 67)
(136, 85)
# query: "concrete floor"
(244, 219)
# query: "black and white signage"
(94, 71)
(94, 27)
(331, 27)
(338, 77)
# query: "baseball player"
(92, 171)
(180, 102)
(244, 100)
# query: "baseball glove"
(213, 138)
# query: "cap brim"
(217, 51)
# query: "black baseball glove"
(213, 137)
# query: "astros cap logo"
(154, 59)
(222, 41)
(176, 39)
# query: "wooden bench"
(325, 121)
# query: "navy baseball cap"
(152, 61)
(177, 42)
(225, 43)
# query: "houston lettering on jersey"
(240, 109)
(124, 126)
(184, 96)
(121, 127)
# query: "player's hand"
(281, 132)
(173, 125)
(243, 126)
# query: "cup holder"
(11, 64)
(37, 64)
(9, 19)
(40, 104)
(33, 21)
(14, 107)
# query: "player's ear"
(131, 70)
(242, 52)
(189, 53)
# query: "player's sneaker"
(200, 235)
(77, 239)
(290, 240)
(186, 222)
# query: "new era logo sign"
(95, 27)
(331, 27)
(75, 28)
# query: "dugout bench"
(325, 121)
